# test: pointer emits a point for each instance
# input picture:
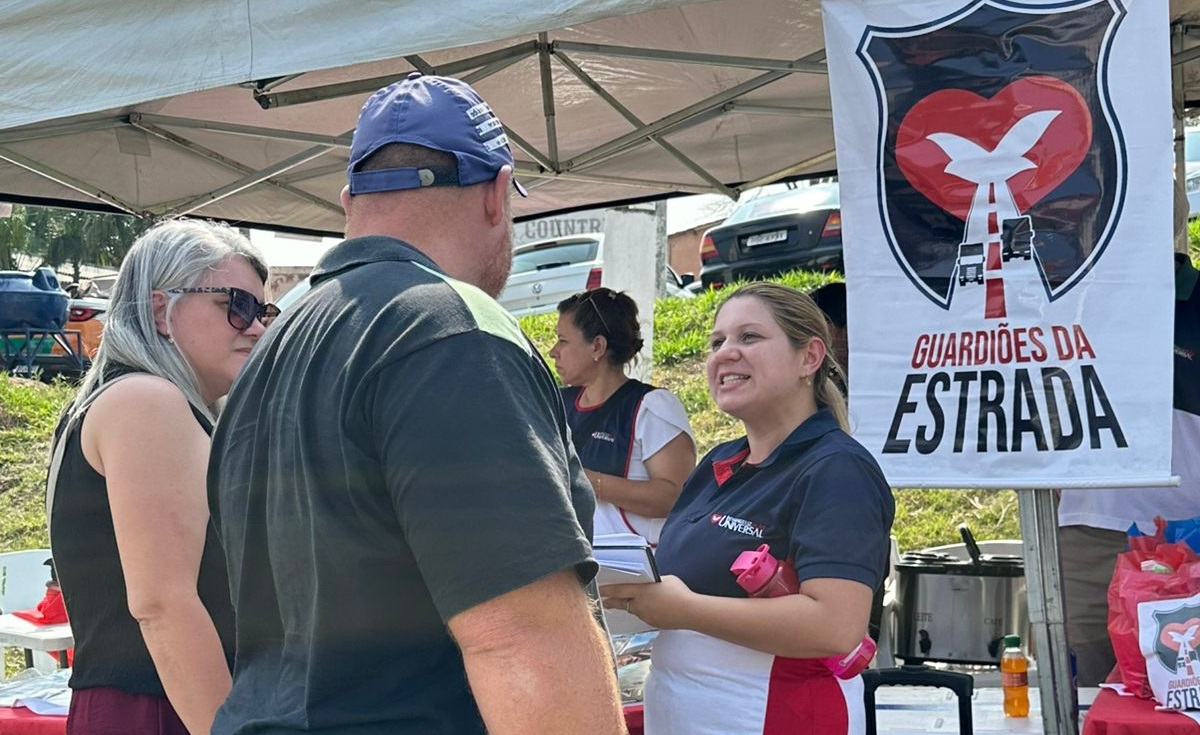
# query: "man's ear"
(158, 304)
(345, 197)
(496, 198)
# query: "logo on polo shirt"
(738, 525)
(604, 436)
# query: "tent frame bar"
(333, 141)
(68, 181)
(803, 66)
(40, 132)
(673, 121)
(210, 155)
(602, 93)
(744, 108)
(547, 81)
(540, 173)
(510, 54)
(792, 170)
(194, 203)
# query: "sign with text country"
(1005, 172)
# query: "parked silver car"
(548, 271)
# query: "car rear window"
(553, 255)
(824, 196)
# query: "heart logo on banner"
(1179, 630)
(1055, 155)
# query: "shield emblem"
(1178, 639)
(1000, 156)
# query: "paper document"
(624, 558)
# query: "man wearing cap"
(405, 522)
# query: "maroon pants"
(107, 711)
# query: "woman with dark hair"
(141, 570)
(726, 663)
(633, 439)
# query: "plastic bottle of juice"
(1014, 678)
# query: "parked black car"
(778, 230)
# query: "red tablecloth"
(1112, 714)
(20, 721)
(633, 718)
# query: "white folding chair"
(23, 578)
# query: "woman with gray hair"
(141, 569)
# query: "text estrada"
(959, 398)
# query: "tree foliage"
(14, 238)
(61, 237)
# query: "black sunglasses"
(243, 310)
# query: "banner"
(1006, 193)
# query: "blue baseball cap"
(441, 113)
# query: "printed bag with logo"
(1169, 632)
(1166, 574)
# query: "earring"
(808, 380)
(595, 358)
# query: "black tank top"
(109, 649)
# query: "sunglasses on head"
(591, 297)
(243, 309)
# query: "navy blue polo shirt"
(819, 500)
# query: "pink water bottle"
(762, 575)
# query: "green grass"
(29, 410)
(28, 413)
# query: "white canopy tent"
(243, 111)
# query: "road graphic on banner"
(1010, 150)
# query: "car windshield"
(553, 255)
(807, 199)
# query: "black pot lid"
(991, 565)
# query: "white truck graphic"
(970, 262)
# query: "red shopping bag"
(1152, 569)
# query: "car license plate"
(766, 238)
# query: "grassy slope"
(28, 412)
(924, 517)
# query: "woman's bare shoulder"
(141, 399)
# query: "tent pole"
(1043, 578)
